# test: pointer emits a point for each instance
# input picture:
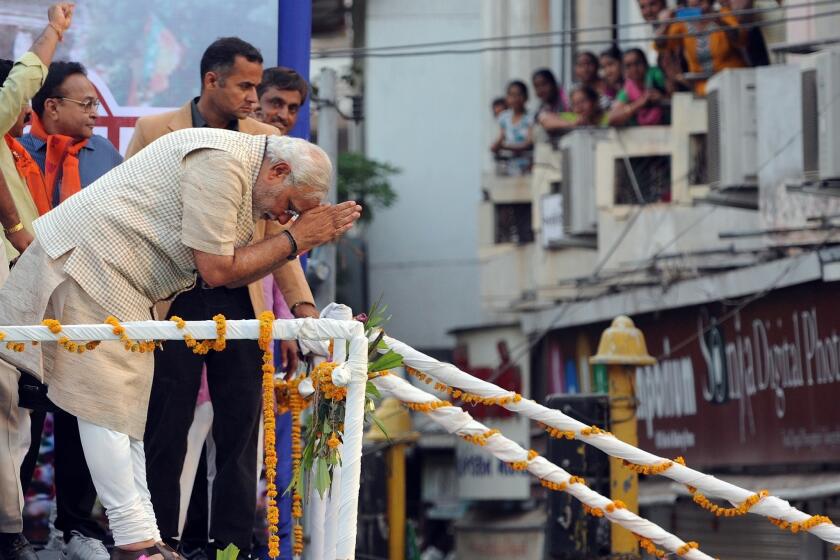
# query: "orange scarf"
(31, 175)
(63, 152)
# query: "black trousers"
(235, 380)
(75, 494)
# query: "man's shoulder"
(158, 119)
(29, 142)
(176, 118)
(104, 146)
(253, 126)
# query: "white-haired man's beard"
(263, 201)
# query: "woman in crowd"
(586, 111)
(586, 74)
(515, 129)
(611, 72)
(709, 45)
(551, 95)
(640, 100)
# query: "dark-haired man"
(65, 111)
(281, 93)
(231, 70)
(70, 157)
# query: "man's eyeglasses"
(88, 105)
(292, 212)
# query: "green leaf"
(299, 483)
(375, 420)
(386, 361)
(373, 351)
(322, 476)
(371, 390)
(229, 553)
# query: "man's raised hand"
(61, 15)
(324, 224)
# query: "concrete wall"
(424, 116)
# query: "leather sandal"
(161, 548)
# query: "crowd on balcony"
(692, 42)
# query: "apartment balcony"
(729, 183)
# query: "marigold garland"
(296, 405)
(797, 526)
(556, 486)
(323, 383)
(648, 546)
(480, 439)
(426, 406)
(562, 486)
(470, 398)
(66, 343)
(523, 465)
(648, 469)
(616, 504)
(594, 431)
(203, 347)
(269, 426)
(684, 549)
(128, 344)
(742, 509)
(593, 511)
(13, 346)
(558, 433)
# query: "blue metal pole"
(294, 34)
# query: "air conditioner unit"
(580, 216)
(821, 117)
(732, 132)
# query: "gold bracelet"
(14, 229)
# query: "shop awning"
(793, 486)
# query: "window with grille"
(513, 223)
(652, 176)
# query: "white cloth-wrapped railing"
(343, 544)
(458, 422)
(710, 486)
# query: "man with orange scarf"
(67, 157)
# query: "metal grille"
(810, 124)
(750, 537)
(713, 155)
(566, 188)
(698, 169)
(513, 223)
(653, 174)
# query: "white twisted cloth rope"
(458, 422)
(354, 371)
(769, 506)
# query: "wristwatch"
(294, 254)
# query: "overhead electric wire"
(374, 52)
(351, 51)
